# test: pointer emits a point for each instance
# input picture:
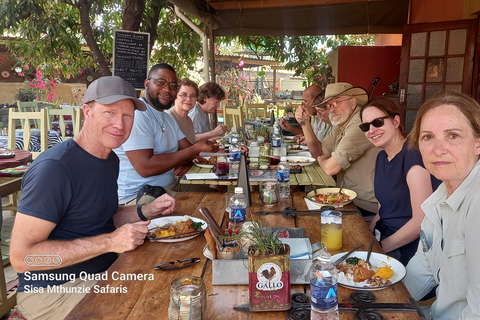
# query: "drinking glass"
(269, 194)
(221, 166)
(331, 226)
(188, 299)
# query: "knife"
(345, 256)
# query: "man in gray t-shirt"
(209, 97)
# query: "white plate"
(256, 173)
(376, 260)
(294, 151)
(304, 161)
(304, 154)
(160, 222)
(352, 194)
(207, 166)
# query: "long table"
(147, 299)
(312, 175)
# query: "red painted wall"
(359, 65)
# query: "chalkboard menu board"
(130, 56)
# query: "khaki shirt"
(356, 155)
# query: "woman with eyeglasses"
(186, 98)
(401, 181)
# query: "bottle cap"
(238, 190)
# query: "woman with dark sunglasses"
(401, 181)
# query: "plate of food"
(175, 228)
(354, 273)
(331, 197)
(301, 161)
(205, 162)
(295, 148)
(256, 173)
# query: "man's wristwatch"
(140, 213)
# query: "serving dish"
(352, 194)
(301, 161)
(207, 166)
(377, 260)
(160, 222)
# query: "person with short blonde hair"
(447, 133)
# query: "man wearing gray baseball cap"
(69, 209)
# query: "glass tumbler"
(269, 194)
(331, 227)
(188, 299)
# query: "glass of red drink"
(274, 160)
(221, 166)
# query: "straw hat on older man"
(334, 90)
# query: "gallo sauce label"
(269, 282)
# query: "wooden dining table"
(149, 299)
(22, 157)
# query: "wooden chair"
(233, 117)
(254, 110)
(30, 106)
(78, 123)
(61, 113)
(41, 116)
(10, 186)
(7, 301)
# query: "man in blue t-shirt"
(69, 227)
(156, 145)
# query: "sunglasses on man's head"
(377, 123)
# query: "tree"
(50, 34)
(307, 55)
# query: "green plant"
(264, 242)
(26, 95)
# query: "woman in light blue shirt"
(447, 132)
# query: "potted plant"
(268, 270)
(26, 95)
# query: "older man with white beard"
(345, 152)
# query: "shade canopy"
(298, 17)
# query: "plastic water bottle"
(238, 209)
(283, 177)
(233, 134)
(323, 288)
(257, 124)
(276, 142)
(234, 158)
(254, 151)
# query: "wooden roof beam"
(255, 4)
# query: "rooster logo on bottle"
(269, 277)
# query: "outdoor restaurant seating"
(233, 117)
(66, 122)
(30, 106)
(42, 118)
(254, 110)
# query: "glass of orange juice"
(331, 226)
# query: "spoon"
(341, 187)
(369, 253)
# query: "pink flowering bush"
(237, 86)
(41, 86)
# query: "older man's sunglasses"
(377, 123)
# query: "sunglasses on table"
(177, 264)
(377, 123)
